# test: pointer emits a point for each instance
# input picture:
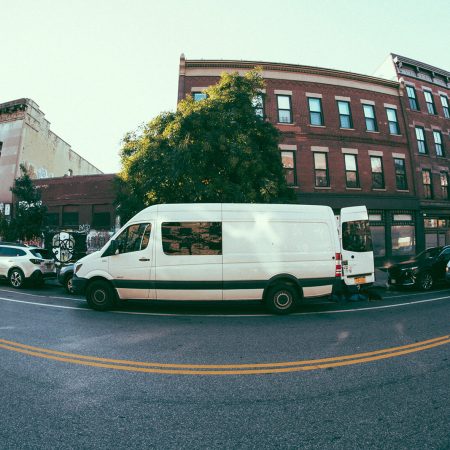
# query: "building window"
(444, 101)
(392, 121)
(321, 170)
(197, 96)
(438, 143)
(101, 220)
(284, 108)
(430, 102)
(315, 111)
(403, 239)
(351, 171)
(421, 142)
(444, 185)
(258, 105)
(191, 238)
(376, 163)
(288, 161)
(345, 114)
(412, 97)
(52, 219)
(400, 174)
(70, 219)
(426, 182)
(369, 115)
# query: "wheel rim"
(70, 285)
(282, 299)
(99, 296)
(427, 281)
(16, 279)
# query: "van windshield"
(356, 236)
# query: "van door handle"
(144, 259)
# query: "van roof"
(231, 207)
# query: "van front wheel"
(100, 295)
(281, 299)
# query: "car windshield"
(41, 253)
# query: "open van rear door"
(356, 246)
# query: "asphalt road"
(360, 375)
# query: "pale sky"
(99, 68)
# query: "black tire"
(16, 278)
(100, 295)
(281, 298)
(425, 281)
(68, 285)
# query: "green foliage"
(29, 210)
(213, 150)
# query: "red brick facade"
(396, 215)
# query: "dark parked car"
(423, 271)
(65, 277)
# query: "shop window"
(403, 240)
(378, 240)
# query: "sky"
(100, 68)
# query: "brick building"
(26, 138)
(425, 101)
(346, 140)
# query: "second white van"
(275, 253)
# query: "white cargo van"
(269, 252)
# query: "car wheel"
(425, 281)
(68, 284)
(281, 298)
(100, 295)
(16, 278)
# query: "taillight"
(36, 261)
(338, 273)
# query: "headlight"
(77, 267)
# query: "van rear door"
(356, 246)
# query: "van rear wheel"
(100, 295)
(281, 298)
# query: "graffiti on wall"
(63, 245)
(95, 240)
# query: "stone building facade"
(26, 138)
(346, 139)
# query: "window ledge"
(322, 187)
(402, 190)
(376, 132)
(399, 135)
(316, 126)
(286, 123)
(353, 189)
(379, 190)
(349, 129)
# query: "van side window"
(192, 238)
(134, 238)
(356, 236)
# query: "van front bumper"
(79, 284)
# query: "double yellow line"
(223, 369)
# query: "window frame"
(291, 116)
(383, 184)
(202, 94)
(289, 169)
(347, 171)
(349, 115)
(400, 175)
(421, 143)
(438, 146)
(414, 99)
(258, 108)
(427, 187)
(320, 112)
(431, 107)
(445, 107)
(444, 186)
(374, 118)
(316, 170)
(392, 122)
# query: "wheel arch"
(284, 278)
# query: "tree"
(214, 150)
(29, 210)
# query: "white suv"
(20, 263)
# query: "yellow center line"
(240, 369)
